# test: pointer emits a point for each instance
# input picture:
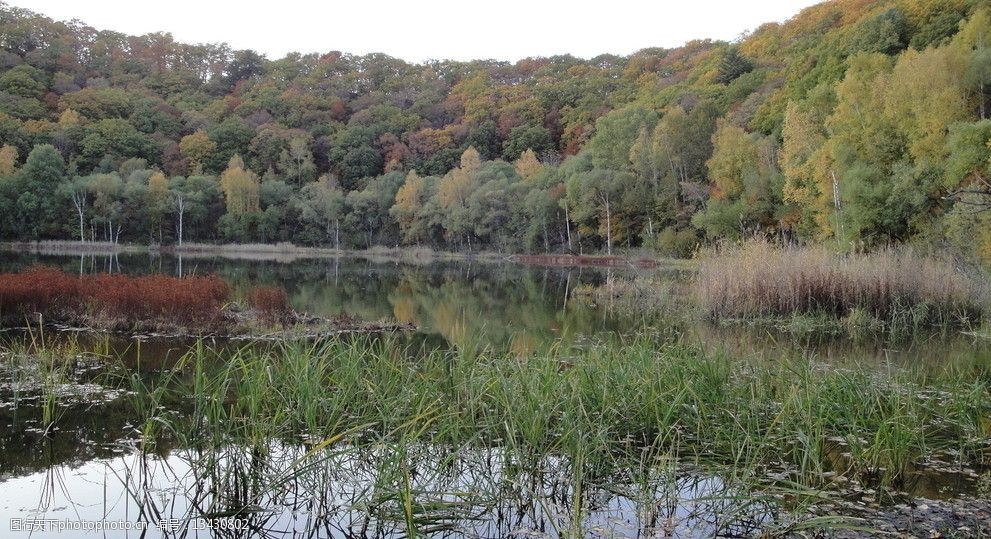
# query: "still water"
(497, 304)
(88, 468)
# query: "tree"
(974, 45)
(178, 199)
(197, 148)
(8, 160)
(196, 203)
(615, 133)
(926, 95)
(528, 166)
(968, 166)
(38, 187)
(523, 138)
(968, 180)
(296, 162)
(732, 66)
(77, 191)
(107, 190)
(734, 156)
(408, 206)
(885, 33)
(452, 199)
(233, 137)
(746, 184)
(807, 163)
(594, 194)
(471, 161)
(114, 138)
(158, 201)
(240, 188)
(322, 203)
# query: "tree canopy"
(857, 122)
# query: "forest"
(858, 123)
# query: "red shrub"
(271, 301)
(153, 299)
(38, 289)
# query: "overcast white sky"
(430, 29)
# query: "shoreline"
(288, 252)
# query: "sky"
(430, 29)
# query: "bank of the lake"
(289, 251)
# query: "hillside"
(858, 121)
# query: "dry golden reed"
(757, 279)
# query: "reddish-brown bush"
(271, 302)
(144, 300)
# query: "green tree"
(37, 204)
(296, 162)
(321, 203)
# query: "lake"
(88, 467)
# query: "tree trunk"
(608, 226)
(337, 234)
(82, 228)
(79, 202)
(181, 203)
(547, 244)
(983, 103)
(567, 225)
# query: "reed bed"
(116, 299)
(591, 404)
(895, 286)
(785, 438)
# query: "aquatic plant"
(592, 404)
(115, 299)
(897, 286)
(271, 302)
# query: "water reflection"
(465, 303)
(87, 468)
(281, 490)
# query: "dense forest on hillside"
(859, 121)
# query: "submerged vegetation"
(596, 402)
(652, 427)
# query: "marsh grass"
(897, 288)
(440, 433)
(594, 406)
(45, 370)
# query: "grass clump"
(898, 288)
